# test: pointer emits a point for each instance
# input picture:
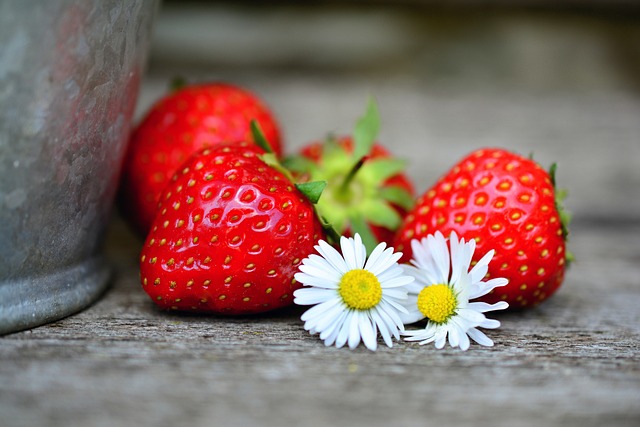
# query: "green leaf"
(560, 195)
(360, 226)
(299, 164)
(398, 196)
(565, 216)
(366, 131)
(270, 159)
(259, 138)
(382, 169)
(552, 173)
(312, 190)
(380, 213)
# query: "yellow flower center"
(437, 302)
(360, 289)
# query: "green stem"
(348, 179)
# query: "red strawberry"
(183, 122)
(367, 191)
(230, 233)
(505, 202)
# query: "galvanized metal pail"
(69, 77)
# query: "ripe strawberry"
(367, 191)
(505, 202)
(230, 233)
(183, 122)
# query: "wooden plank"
(573, 361)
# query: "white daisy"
(353, 297)
(442, 289)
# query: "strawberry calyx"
(563, 213)
(177, 83)
(357, 195)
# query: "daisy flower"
(353, 297)
(442, 289)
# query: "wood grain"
(571, 361)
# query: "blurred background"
(559, 79)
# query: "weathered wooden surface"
(573, 361)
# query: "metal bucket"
(69, 77)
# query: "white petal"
(343, 334)
(354, 330)
(391, 304)
(464, 342)
(317, 312)
(331, 331)
(419, 282)
(483, 307)
(461, 254)
(311, 277)
(431, 255)
(496, 282)
(382, 327)
(392, 312)
(391, 326)
(390, 274)
(412, 316)
(327, 319)
(457, 256)
(374, 258)
(317, 261)
(367, 332)
(418, 335)
(479, 337)
(489, 324)
(399, 281)
(360, 251)
(440, 338)
(332, 256)
(312, 296)
(395, 293)
(423, 259)
(414, 289)
(440, 253)
(454, 337)
(469, 317)
(462, 288)
(385, 261)
(480, 269)
(427, 334)
(321, 264)
(482, 288)
(348, 248)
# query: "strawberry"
(183, 122)
(367, 191)
(230, 233)
(504, 202)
